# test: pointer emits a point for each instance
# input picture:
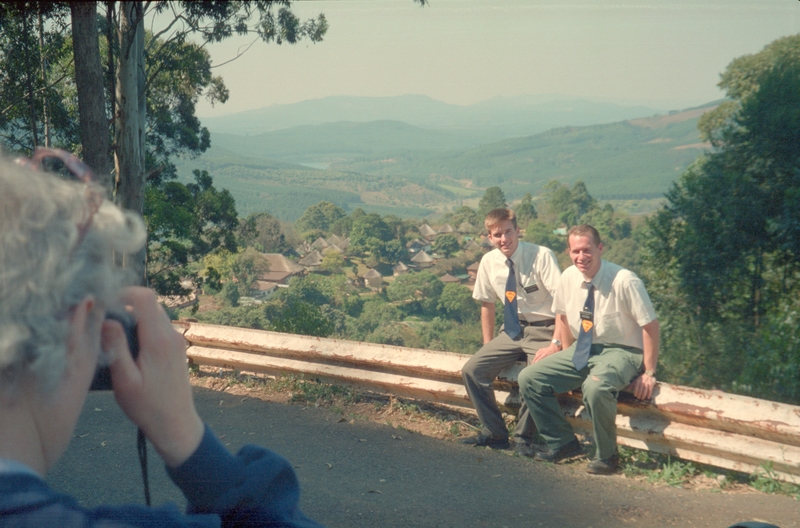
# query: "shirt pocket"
(609, 327)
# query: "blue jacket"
(255, 488)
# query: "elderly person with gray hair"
(57, 285)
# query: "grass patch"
(659, 468)
(765, 480)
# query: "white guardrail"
(709, 427)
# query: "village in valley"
(420, 257)
(380, 279)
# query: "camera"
(102, 378)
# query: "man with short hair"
(615, 332)
(525, 277)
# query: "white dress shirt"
(537, 273)
(621, 304)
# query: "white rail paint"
(709, 427)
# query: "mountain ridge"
(492, 119)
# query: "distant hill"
(343, 140)
(626, 159)
(394, 167)
(498, 118)
(286, 191)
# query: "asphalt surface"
(365, 474)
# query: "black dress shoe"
(573, 448)
(605, 466)
(482, 440)
(524, 449)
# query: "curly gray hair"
(48, 264)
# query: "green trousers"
(610, 368)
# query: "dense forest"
(720, 257)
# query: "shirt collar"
(597, 280)
(516, 256)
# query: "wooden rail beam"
(709, 427)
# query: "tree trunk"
(43, 64)
(29, 88)
(91, 96)
(130, 117)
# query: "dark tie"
(510, 314)
(580, 358)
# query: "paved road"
(364, 474)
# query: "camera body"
(102, 378)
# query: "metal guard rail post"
(709, 427)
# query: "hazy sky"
(664, 53)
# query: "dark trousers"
(495, 356)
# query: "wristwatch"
(651, 373)
(557, 343)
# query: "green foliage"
(263, 232)
(177, 75)
(294, 315)
(656, 467)
(230, 294)
(525, 211)
(765, 480)
(307, 391)
(723, 252)
(332, 261)
(242, 316)
(493, 198)
(542, 234)
(446, 245)
(246, 267)
(674, 473)
(185, 223)
(24, 91)
(624, 252)
(772, 358)
(419, 291)
(369, 235)
(569, 205)
(441, 334)
(320, 216)
(312, 305)
(464, 214)
(457, 302)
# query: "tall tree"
(319, 217)
(95, 136)
(725, 249)
(525, 211)
(369, 235)
(263, 232)
(35, 64)
(185, 223)
(493, 198)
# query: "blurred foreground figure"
(57, 285)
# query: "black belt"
(545, 322)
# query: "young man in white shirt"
(616, 341)
(525, 277)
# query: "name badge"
(532, 288)
(586, 316)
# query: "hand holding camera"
(154, 390)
